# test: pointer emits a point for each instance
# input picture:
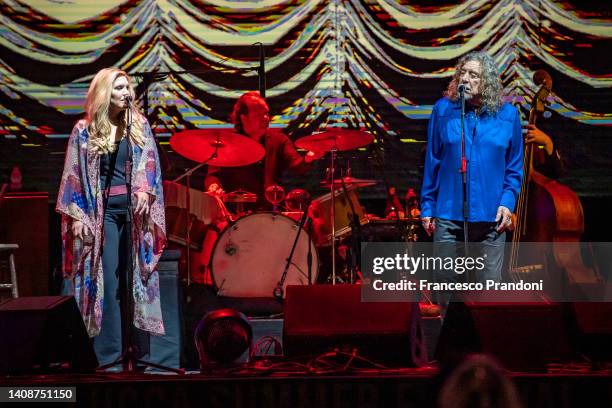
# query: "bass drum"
(250, 256)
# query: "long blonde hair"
(97, 109)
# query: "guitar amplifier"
(166, 350)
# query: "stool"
(7, 257)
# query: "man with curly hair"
(494, 151)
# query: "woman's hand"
(142, 203)
(79, 230)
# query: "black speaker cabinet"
(320, 318)
(590, 328)
(522, 336)
(41, 333)
(166, 350)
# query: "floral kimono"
(80, 198)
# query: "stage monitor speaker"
(320, 318)
(522, 336)
(44, 333)
(590, 328)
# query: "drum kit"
(258, 254)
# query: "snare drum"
(250, 256)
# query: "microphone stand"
(463, 171)
(278, 291)
(128, 358)
(261, 70)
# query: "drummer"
(251, 117)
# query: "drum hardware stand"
(278, 291)
(380, 165)
(333, 211)
(128, 358)
(309, 253)
(239, 206)
(187, 175)
(355, 226)
(355, 232)
(398, 221)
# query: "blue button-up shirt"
(494, 152)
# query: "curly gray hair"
(492, 90)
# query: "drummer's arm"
(296, 162)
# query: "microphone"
(128, 99)
(461, 89)
(261, 71)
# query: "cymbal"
(240, 197)
(350, 181)
(232, 149)
(338, 138)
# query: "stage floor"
(407, 387)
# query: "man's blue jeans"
(487, 239)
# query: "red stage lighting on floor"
(221, 337)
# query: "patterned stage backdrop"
(373, 64)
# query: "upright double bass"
(546, 210)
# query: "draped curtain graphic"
(377, 65)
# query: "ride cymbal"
(232, 149)
(337, 138)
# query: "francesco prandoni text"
(489, 284)
(460, 265)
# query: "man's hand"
(429, 224)
(503, 218)
(142, 203)
(535, 135)
(312, 156)
(78, 229)
(216, 189)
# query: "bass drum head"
(250, 256)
